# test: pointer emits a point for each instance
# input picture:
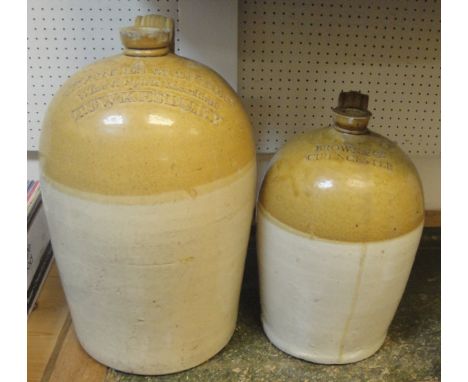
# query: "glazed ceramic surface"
(340, 215)
(148, 176)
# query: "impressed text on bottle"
(140, 84)
(350, 153)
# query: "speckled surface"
(411, 351)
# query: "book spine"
(38, 240)
(34, 195)
(39, 277)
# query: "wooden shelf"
(54, 353)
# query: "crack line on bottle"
(354, 300)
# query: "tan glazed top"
(344, 182)
(144, 122)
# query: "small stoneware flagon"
(148, 174)
(340, 216)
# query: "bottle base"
(156, 370)
(321, 358)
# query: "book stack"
(39, 247)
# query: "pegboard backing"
(295, 57)
(65, 35)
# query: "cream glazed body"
(330, 302)
(340, 216)
(148, 174)
(153, 285)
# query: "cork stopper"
(151, 36)
(351, 114)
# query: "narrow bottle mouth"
(351, 115)
(151, 36)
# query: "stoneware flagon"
(148, 176)
(340, 216)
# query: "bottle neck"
(351, 121)
(151, 36)
(147, 52)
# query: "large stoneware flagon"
(340, 216)
(148, 176)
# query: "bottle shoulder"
(344, 187)
(120, 70)
(151, 115)
(337, 150)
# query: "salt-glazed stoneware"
(340, 216)
(148, 176)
